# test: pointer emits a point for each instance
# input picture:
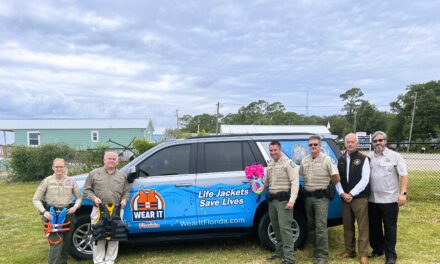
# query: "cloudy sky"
(136, 59)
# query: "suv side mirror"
(132, 175)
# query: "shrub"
(35, 163)
(141, 145)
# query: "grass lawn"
(22, 239)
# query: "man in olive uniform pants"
(318, 170)
(283, 182)
(106, 185)
(57, 191)
(354, 169)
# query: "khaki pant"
(59, 253)
(100, 254)
(281, 219)
(357, 210)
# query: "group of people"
(368, 186)
(371, 189)
(106, 185)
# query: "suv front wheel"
(267, 236)
(81, 244)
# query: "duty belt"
(317, 193)
(279, 196)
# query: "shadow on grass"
(227, 244)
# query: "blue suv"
(196, 188)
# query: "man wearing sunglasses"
(387, 167)
(318, 170)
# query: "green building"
(78, 133)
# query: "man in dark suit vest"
(354, 169)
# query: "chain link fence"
(423, 162)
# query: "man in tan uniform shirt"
(106, 185)
(318, 170)
(283, 182)
(57, 191)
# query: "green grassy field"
(22, 239)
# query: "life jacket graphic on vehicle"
(147, 205)
(147, 201)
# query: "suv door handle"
(183, 184)
(245, 181)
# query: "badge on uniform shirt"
(318, 159)
(69, 182)
(357, 161)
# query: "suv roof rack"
(257, 134)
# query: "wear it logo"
(147, 205)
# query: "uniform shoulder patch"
(292, 164)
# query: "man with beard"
(387, 167)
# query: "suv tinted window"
(223, 156)
(248, 156)
(228, 156)
(170, 161)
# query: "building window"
(94, 136)
(33, 138)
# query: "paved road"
(421, 161)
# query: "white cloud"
(83, 62)
(149, 59)
(92, 19)
(5, 9)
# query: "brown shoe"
(363, 260)
(347, 254)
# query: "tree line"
(358, 115)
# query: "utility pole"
(198, 124)
(412, 121)
(177, 119)
(217, 118)
(355, 120)
(307, 103)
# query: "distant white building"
(268, 129)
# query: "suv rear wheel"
(267, 236)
